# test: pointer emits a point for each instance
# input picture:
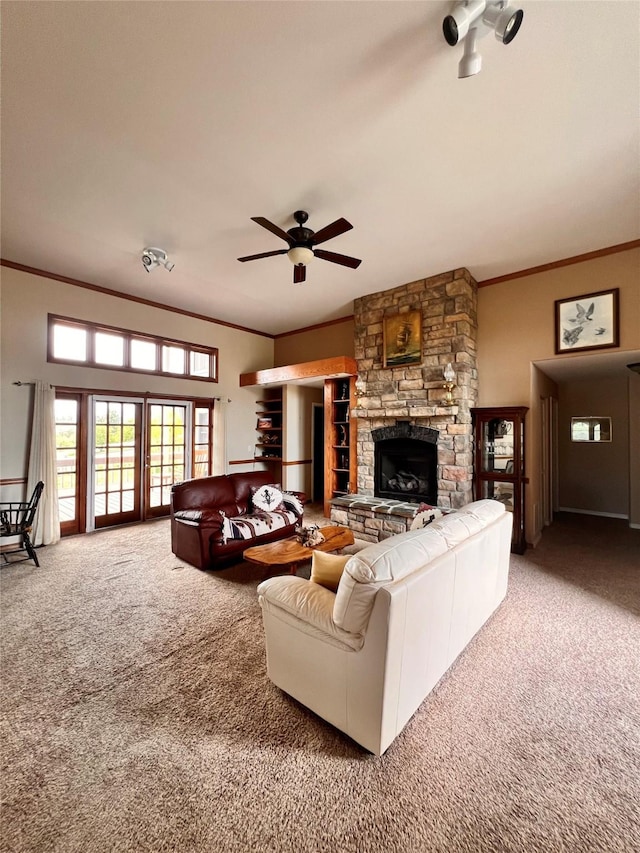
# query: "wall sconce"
(449, 384)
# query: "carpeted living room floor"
(137, 715)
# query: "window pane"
(199, 363)
(173, 359)
(143, 355)
(109, 349)
(70, 343)
(66, 411)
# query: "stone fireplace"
(406, 398)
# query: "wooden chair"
(16, 519)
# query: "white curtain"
(42, 465)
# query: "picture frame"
(265, 423)
(587, 322)
(402, 339)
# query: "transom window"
(94, 345)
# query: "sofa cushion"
(257, 524)
(398, 556)
(267, 498)
(326, 569)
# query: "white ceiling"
(170, 124)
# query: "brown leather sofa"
(213, 521)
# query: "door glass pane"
(117, 455)
(502, 492)
(167, 452)
(497, 446)
(66, 418)
(201, 451)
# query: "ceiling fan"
(302, 242)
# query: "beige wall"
(26, 300)
(594, 476)
(326, 342)
(516, 320)
(298, 400)
(516, 328)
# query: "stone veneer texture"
(448, 305)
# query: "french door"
(118, 456)
(139, 448)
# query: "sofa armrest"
(210, 521)
(306, 606)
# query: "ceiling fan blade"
(299, 273)
(273, 228)
(264, 255)
(326, 233)
(345, 260)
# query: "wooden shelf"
(340, 439)
(270, 408)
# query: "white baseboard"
(634, 525)
(592, 512)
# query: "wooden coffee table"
(289, 553)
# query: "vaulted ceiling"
(170, 124)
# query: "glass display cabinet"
(499, 441)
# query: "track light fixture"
(152, 258)
(470, 19)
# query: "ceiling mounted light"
(471, 19)
(153, 257)
(504, 20)
(300, 255)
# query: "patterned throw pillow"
(424, 516)
(267, 498)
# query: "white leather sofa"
(364, 658)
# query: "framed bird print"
(587, 322)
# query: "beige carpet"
(137, 715)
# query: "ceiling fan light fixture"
(300, 255)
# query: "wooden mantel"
(340, 365)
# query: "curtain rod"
(23, 383)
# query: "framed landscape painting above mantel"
(587, 322)
(402, 339)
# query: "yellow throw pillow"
(326, 569)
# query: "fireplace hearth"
(405, 463)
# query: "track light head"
(456, 25)
(504, 20)
(154, 257)
(471, 19)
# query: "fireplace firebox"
(406, 463)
